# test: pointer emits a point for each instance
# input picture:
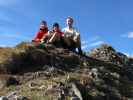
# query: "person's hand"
(42, 40)
(63, 35)
(75, 39)
(37, 40)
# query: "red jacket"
(59, 33)
(40, 35)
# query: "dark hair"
(56, 25)
(43, 22)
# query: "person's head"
(43, 25)
(69, 21)
(56, 27)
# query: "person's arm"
(44, 36)
(36, 39)
(77, 32)
(52, 38)
(76, 35)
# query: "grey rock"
(107, 53)
(12, 81)
(76, 91)
(22, 98)
(3, 98)
(75, 98)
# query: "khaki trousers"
(73, 40)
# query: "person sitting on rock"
(42, 34)
(72, 36)
(55, 36)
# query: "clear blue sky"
(99, 21)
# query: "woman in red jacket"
(42, 34)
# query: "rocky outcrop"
(29, 57)
(107, 53)
(57, 73)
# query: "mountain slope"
(41, 72)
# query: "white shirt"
(70, 32)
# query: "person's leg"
(78, 44)
(56, 41)
(62, 43)
(67, 41)
(72, 46)
(45, 39)
(53, 38)
(80, 50)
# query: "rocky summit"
(43, 72)
(108, 53)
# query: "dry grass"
(38, 94)
(5, 53)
